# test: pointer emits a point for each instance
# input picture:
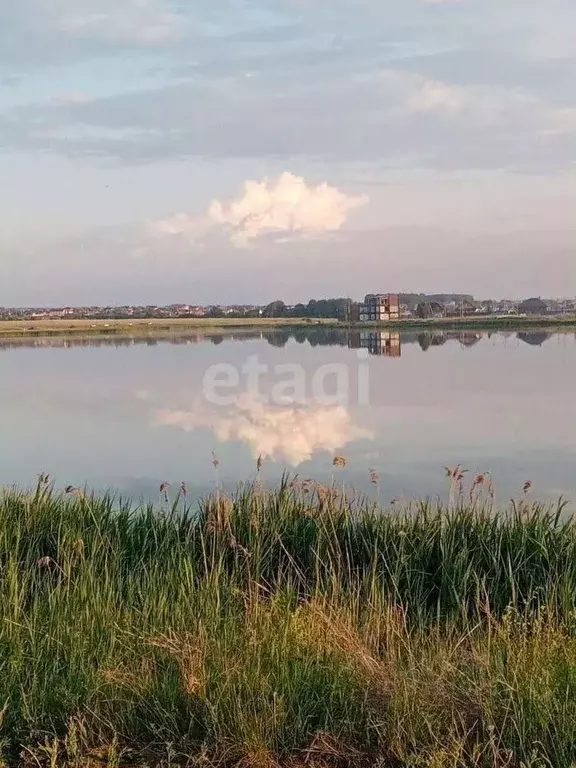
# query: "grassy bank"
(291, 627)
(157, 327)
(19, 328)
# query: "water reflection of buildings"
(384, 343)
(427, 340)
(534, 338)
(466, 338)
(469, 338)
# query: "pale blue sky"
(395, 146)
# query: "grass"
(298, 626)
(156, 326)
(11, 328)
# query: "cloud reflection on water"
(283, 433)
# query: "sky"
(239, 151)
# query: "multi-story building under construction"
(378, 307)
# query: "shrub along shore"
(294, 627)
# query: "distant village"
(386, 307)
(374, 308)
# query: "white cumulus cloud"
(288, 207)
(281, 433)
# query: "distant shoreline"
(150, 327)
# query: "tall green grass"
(294, 626)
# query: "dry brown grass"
(189, 651)
(20, 328)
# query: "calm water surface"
(130, 414)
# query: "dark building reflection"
(381, 343)
(469, 338)
(534, 338)
(427, 340)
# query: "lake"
(128, 414)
